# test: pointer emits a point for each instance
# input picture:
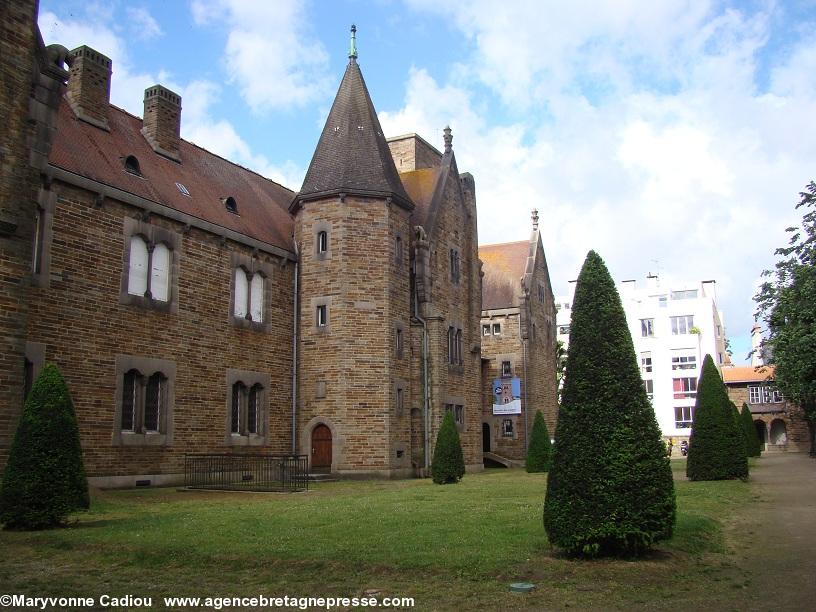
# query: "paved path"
(781, 559)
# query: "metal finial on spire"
(535, 219)
(448, 138)
(353, 47)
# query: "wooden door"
(321, 449)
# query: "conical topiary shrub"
(752, 443)
(539, 452)
(44, 479)
(716, 447)
(610, 488)
(743, 441)
(448, 464)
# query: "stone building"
(518, 345)
(194, 306)
(780, 424)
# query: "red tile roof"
(503, 266)
(736, 374)
(96, 154)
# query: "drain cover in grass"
(522, 587)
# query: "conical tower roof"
(352, 155)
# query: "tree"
(560, 364)
(743, 439)
(610, 488)
(786, 302)
(716, 446)
(539, 452)
(752, 443)
(448, 464)
(44, 479)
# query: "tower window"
(322, 242)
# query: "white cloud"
(269, 52)
(638, 129)
(142, 23)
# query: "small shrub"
(448, 464)
(716, 446)
(753, 445)
(539, 453)
(44, 479)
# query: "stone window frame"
(457, 405)
(455, 339)
(146, 366)
(249, 378)
(43, 238)
(317, 228)
(496, 328)
(399, 339)
(152, 234)
(485, 330)
(252, 265)
(315, 303)
(508, 432)
(400, 388)
(507, 357)
(454, 265)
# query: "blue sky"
(671, 137)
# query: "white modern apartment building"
(673, 328)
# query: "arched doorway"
(485, 438)
(762, 432)
(321, 449)
(779, 433)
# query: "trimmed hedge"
(44, 480)
(448, 464)
(610, 489)
(716, 446)
(753, 445)
(539, 453)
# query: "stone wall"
(84, 328)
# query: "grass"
(456, 546)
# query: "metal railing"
(247, 472)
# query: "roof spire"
(353, 46)
(535, 219)
(448, 138)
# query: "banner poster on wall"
(507, 396)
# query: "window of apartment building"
(684, 388)
(321, 315)
(563, 330)
(144, 401)
(683, 416)
(506, 369)
(684, 359)
(249, 295)
(662, 301)
(682, 324)
(247, 401)
(497, 329)
(648, 384)
(507, 428)
(646, 362)
(454, 266)
(688, 294)
(486, 330)
(647, 328)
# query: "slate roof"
(352, 155)
(503, 266)
(91, 152)
(738, 374)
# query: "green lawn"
(456, 546)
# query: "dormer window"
(230, 205)
(183, 189)
(132, 165)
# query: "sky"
(673, 138)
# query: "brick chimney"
(89, 84)
(162, 121)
